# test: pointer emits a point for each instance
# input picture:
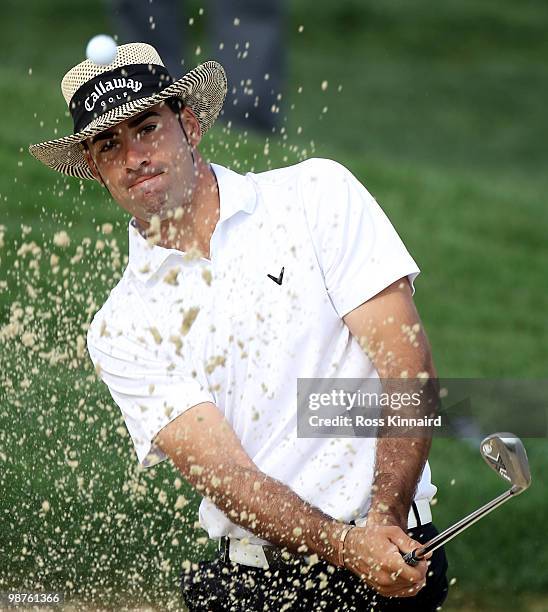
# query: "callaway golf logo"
(497, 462)
(102, 88)
(279, 279)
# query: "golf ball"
(101, 49)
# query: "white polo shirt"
(177, 330)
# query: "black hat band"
(114, 88)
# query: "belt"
(266, 556)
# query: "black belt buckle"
(224, 549)
(273, 555)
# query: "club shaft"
(463, 524)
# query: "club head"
(505, 453)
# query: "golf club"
(505, 453)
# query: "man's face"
(146, 162)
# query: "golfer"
(236, 286)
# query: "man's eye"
(106, 147)
(148, 128)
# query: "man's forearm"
(269, 509)
(399, 464)
(400, 460)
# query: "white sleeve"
(358, 250)
(148, 389)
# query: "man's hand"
(374, 553)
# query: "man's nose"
(136, 155)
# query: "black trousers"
(224, 586)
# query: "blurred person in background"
(247, 38)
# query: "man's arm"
(389, 329)
(204, 447)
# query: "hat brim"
(202, 89)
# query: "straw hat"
(100, 96)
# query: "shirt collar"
(236, 193)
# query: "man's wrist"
(382, 513)
(343, 536)
(332, 550)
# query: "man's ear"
(192, 126)
(91, 164)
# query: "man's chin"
(155, 206)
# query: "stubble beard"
(168, 205)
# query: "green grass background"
(439, 109)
